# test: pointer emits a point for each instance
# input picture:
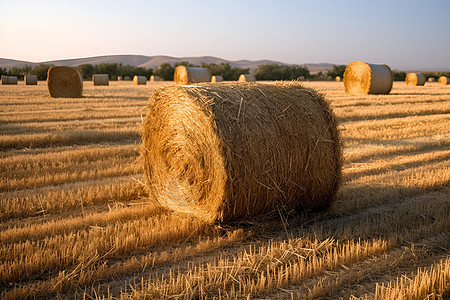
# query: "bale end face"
(230, 151)
(64, 82)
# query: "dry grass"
(76, 221)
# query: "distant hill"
(154, 62)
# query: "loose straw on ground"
(232, 150)
(362, 78)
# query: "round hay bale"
(228, 151)
(31, 79)
(364, 78)
(139, 80)
(431, 79)
(337, 78)
(444, 80)
(301, 78)
(247, 78)
(217, 78)
(414, 79)
(155, 78)
(100, 79)
(185, 75)
(9, 79)
(119, 78)
(64, 82)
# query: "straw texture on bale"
(337, 78)
(100, 79)
(431, 79)
(64, 82)
(155, 78)
(414, 79)
(364, 78)
(228, 151)
(186, 75)
(139, 80)
(30, 79)
(444, 80)
(247, 78)
(216, 78)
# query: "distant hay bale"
(431, 79)
(155, 78)
(301, 78)
(364, 78)
(444, 80)
(247, 78)
(30, 79)
(228, 151)
(216, 78)
(119, 78)
(64, 82)
(9, 79)
(100, 79)
(127, 78)
(186, 75)
(414, 79)
(139, 80)
(337, 78)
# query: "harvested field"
(76, 220)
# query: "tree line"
(229, 73)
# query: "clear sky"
(405, 34)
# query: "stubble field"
(75, 220)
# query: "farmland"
(76, 222)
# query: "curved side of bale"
(230, 151)
(30, 79)
(12, 79)
(185, 75)
(100, 79)
(64, 82)
(217, 78)
(155, 78)
(247, 78)
(444, 80)
(139, 80)
(362, 78)
(415, 79)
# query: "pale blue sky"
(403, 34)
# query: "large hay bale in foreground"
(31, 79)
(185, 75)
(155, 78)
(100, 79)
(247, 78)
(139, 80)
(444, 80)
(216, 78)
(64, 82)
(362, 78)
(232, 150)
(414, 79)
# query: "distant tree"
(337, 70)
(3, 71)
(399, 75)
(281, 72)
(87, 70)
(165, 71)
(224, 69)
